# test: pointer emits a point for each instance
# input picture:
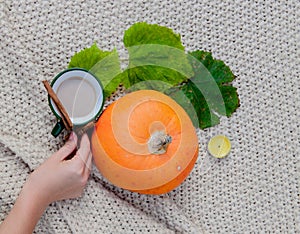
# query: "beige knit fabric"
(254, 189)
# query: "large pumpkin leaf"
(209, 93)
(104, 65)
(155, 53)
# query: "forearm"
(26, 212)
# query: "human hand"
(58, 178)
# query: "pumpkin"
(145, 142)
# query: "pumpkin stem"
(158, 142)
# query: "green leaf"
(156, 54)
(191, 99)
(217, 68)
(231, 99)
(88, 57)
(104, 65)
(142, 33)
(208, 94)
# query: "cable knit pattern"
(254, 189)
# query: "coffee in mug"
(81, 94)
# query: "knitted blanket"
(254, 189)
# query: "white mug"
(92, 96)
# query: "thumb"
(68, 148)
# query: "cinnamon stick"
(63, 113)
(86, 127)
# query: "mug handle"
(59, 126)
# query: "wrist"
(33, 194)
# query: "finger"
(84, 150)
(88, 165)
(68, 148)
(88, 168)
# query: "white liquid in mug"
(78, 96)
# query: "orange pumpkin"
(145, 142)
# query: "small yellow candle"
(219, 146)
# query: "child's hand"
(58, 178)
